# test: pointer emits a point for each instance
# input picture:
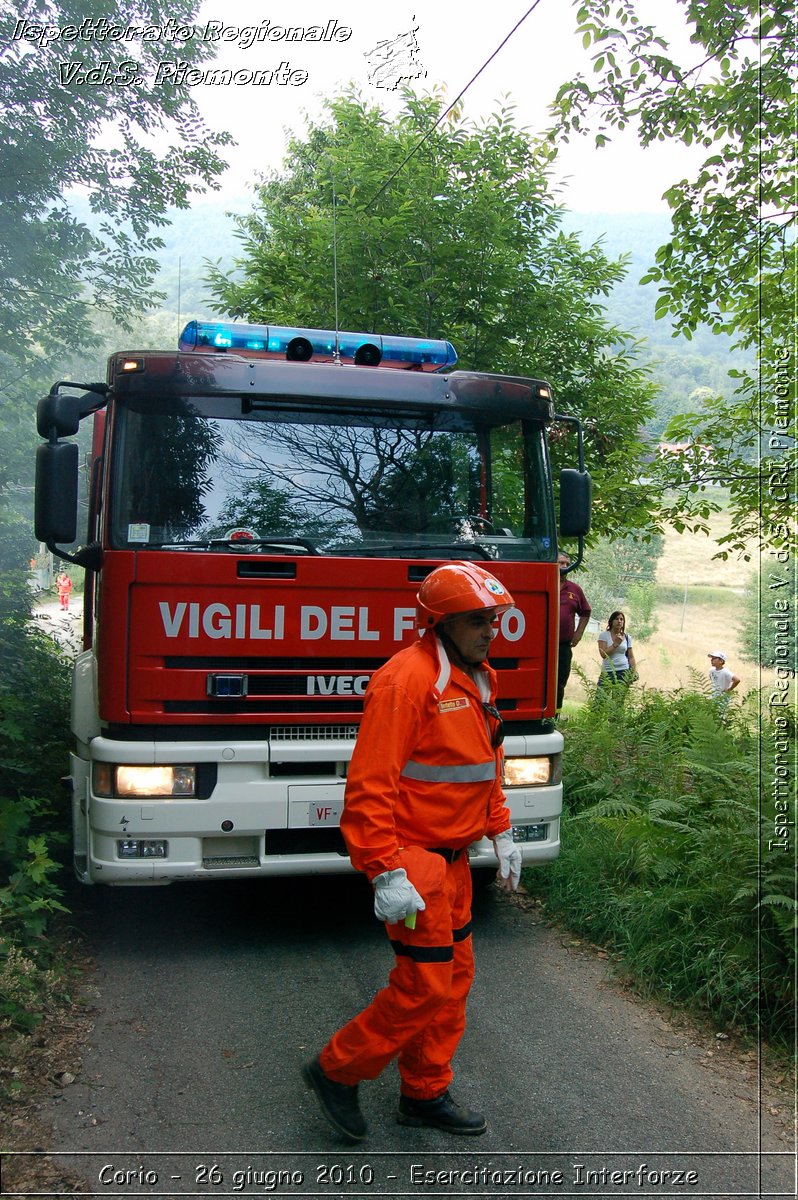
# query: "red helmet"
(459, 587)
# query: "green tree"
(60, 130)
(769, 611)
(620, 574)
(457, 237)
(271, 513)
(730, 263)
(67, 121)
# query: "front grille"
(230, 860)
(312, 733)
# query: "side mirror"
(576, 498)
(56, 510)
(62, 413)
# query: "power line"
(457, 98)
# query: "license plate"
(324, 814)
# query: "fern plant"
(663, 857)
(34, 814)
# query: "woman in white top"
(615, 649)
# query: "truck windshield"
(190, 475)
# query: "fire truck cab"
(263, 504)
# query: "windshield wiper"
(427, 551)
(277, 543)
(201, 545)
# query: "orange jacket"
(423, 771)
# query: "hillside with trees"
(684, 370)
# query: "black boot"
(338, 1102)
(442, 1113)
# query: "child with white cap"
(720, 677)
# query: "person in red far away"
(63, 586)
(423, 784)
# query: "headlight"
(135, 781)
(532, 772)
(530, 833)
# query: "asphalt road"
(209, 997)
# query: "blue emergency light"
(318, 345)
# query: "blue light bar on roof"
(317, 345)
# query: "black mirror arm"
(580, 442)
(89, 557)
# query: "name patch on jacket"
(448, 705)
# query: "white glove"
(395, 897)
(509, 857)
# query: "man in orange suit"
(64, 586)
(424, 783)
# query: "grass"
(722, 597)
(687, 558)
(699, 607)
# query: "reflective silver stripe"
(445, 671)
(467, 773)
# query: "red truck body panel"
(306, 642)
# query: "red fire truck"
(263, 505)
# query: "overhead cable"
(456, 100)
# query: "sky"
(452, 42)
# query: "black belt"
(451, 856)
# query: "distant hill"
(638, 237)
(680, 367)
(205, 232)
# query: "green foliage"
(665, 855)
(32, 893)
(620, 574)
(28, 992)
(34, 821)
(730, 262)
(59, 270)
(463, 242)
(769, 617)
(54, 266)
(641, 598)
(685, 370)
(34, 718)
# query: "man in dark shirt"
(573, 603)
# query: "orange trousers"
(420, 1015)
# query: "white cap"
(717, 654)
